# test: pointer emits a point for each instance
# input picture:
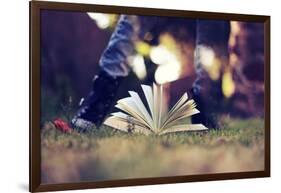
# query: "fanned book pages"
(134, 117)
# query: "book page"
(155, 105)
(184, 127)
(124, 117)
(128, 106)
(141, 107)
(160, 107)
(149, 98)
(121, 125)
(186, 110)
(179, 103)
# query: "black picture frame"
(35, 151)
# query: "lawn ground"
(108, 154)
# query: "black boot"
(211, 35)
(207, 115)
(94, 108)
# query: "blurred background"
(72, 43)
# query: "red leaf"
(62, 125)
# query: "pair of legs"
(211, 35)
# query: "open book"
(136, 118)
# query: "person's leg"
(114, 68)
(211, 49)
(114, 60)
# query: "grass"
(108, 154)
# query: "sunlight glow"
(142, 48)
(168, 72)
(102, 20)
(161, 55)
(228, 85)
(209, 61)
(206, 55)
(169, 68)
(138, 66)
(235, 30)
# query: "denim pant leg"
(114, 59)
(211, 35)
